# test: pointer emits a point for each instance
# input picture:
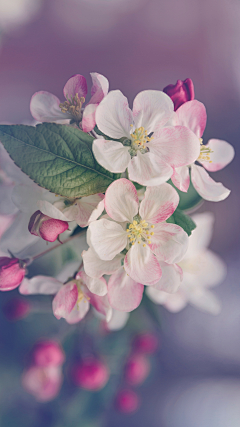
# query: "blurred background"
(137, 45)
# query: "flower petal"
(173, 302)
(118, 320)
(175, 145)
(88, 117)
(181, 178)
(222, 154)
(192, 114)
(78, 312)
(89, 209)
(96, 286)
(169, 243)
(141, 265)
(40, 285)
(206, 186)
(171, 279)
(205, 300)
(121, 200)
(151, 109)
(123, 292)
(112, 155)
(101, 304)
(113, 115)
(44, 107)
(100, 87)
(50, 210)
(210, 269)
(159, 203)
(107, 238)
(147, 169)
(201, 236)
(65, 300)
(77, 84)
(95, 267)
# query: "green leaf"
(188, 200)
(57, 157)
(183, 220)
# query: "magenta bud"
(12, 272)
(16, 309)
(48, 353)
(146, 343)
(181, 92)
(137, 369)
(43, 383)
(127, 401)
(46, 227)
(91, 374)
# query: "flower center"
(139, 139)
(205, 153)
(73, 106)
(81, 295)
(139, 231)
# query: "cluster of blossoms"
(131, 241)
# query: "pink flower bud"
(91, 374)
(137, 369)
(45, 227)
(181, 92)
(127, 401)
(146, 343)
(48, 353)
(12, 272)
(16, 309)
(43, 383)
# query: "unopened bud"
(181, 92)
(42, 382)
(91, 374)
(127, 401)
(137, 369)
(146, 343)
(12, 272)
(48, 353)
(46, 227)
(16, 309)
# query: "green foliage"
(183, 220)
(187, 200)
(57, 157)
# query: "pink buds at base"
(12, 272)
(48, 353)
(91, 374)
(146, 343)
(42, 382)
(137, 369)
(180, 93)
(127, 401)
(46, 227)
(16, 309)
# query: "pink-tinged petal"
(112, 155)
(205, 300)
(65, 300)
(96, 267)
(96, 286)
(141, 265)
(121, 200)
(89, 209)
(151, 109)
(113, 115)
(78, 312)
(100, 87)
(193, 115)
(222, 154)
(159, 203)
(107, 238)
(44, 107)
(169, 242)
(172, 302)
(181, 178)
(101, 304)
(88, 118)
(123, 292)
(206, 186)
(147, 169)
(171, 279)
(40, 285)
(175, 145)
(77, 84)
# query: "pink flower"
(43, 383)
(127, 401)
(149, 148)
(146, 343)
(91, 374)
(48, 353)
(181, 92)
(46, 107)
(137, 369)
(16, 309)
(12, 272)
(45, 227)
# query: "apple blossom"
(148, 147)
(127, 401)
(90, 374)
(12, 272)
(46, 107)
(45, 227)
(181, 92)
(137, 369)
(43, 383)
(48, 353)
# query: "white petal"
(121, 200)
(171, 279)
(89, 209)
(113, 115)
(169, 243)
(107, 238)
(181, 178)
(96, 267)
(173, 302)
(141, 265)
(201, 235)
(192, 114)
(40, 285)
(210, 269)
(147, 169)
(159, 203)
(96, 286)
(123, 292)
(50, 210)
(44, 107)
(206, 186)
(205, 300)
(118, 320)
(78, 313)
(89, 117)
(112, 155)
(222, 154)
(152, 108)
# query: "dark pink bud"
(91, 374)
(45, 227)
(48, 353)
(12, 272)
(16, 309)
(137, 369)
(146, 343)
(127, 401)
(181, 92)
